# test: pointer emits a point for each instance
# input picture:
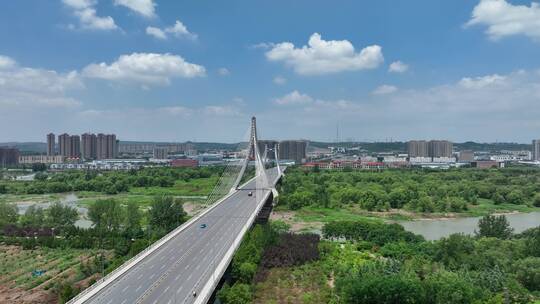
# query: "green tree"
(536, 200)
(239, 293)
(33, 217)
(133, 220)
(454, 251)
(450, 287)
(527, 272)
(494, 226)
(380, 289)
(166, 213)
(106, 214)
(8, 214)
(60, 216)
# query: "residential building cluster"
(156, 150)
(91, 147)
(432, 148)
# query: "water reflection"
(436, 229)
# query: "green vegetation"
(44, 269)
(119, 232)
(466, 191)
(381, 263)
(149, 181)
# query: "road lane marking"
(124, 289)
(138, 288)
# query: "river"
(439, 228)
(69, 200)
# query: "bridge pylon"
(254, 154)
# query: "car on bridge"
(250, 193)
(202, 226)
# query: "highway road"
(184, 264)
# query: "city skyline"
(458, 70)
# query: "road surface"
(184, 264)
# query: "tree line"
(106, 182)
(420, 190)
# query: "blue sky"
(197, 70)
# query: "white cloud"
(279, 80)
(156, 32)
(180, 30)
(398, 67)
(145, 68)
(325, 57)
(145, 8)
(30, 87)
(223, 71)
(294, 98)
(482, 82)
(486, 108)
(384, 89)
(88, 19)
(6, 62)
(504, 19)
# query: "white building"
(43, 159)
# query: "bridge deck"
(185, 263)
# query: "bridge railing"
(113, 275)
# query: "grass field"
(195, 187)
(60, 266)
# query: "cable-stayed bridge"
(186, 265)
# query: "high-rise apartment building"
(536, 149)
(8, 156)
(111, 146)
(101, 146)
(89, 146)
(64, 141)
(106, 146)
(440, 148)
(51, 143)
(75, 146)
(418, 148)
(293, 150)
(433, 148)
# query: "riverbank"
(311, 219)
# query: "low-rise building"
(466, 156)
(177, 163)
(487, 164)
(41, 159)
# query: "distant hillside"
(35, 147)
